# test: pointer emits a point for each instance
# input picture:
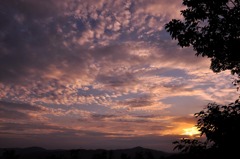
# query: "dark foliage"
(212, 28)
(190, 146)
(220, 125)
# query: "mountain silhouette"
(41, 153)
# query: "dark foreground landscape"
(41, 153)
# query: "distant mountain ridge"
(41, 153)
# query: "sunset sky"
(99, 74)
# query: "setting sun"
(191, 131)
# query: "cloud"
(51, 48)
(19, 106)
(37, 41)
(32, 46)
(12, 114)
(121, 80)
(139, 102)
(185, 119)
(99, 68)
(20, 111)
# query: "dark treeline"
(40, 153)
(135, 153)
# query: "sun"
(191, 131)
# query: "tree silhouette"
(220, 125)
(102, 155)
(125, 156)
(190, 146)
(149, 155)
(75, 154)
(139, 155)
(212, 28)
(9, 154)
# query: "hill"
(41, 153)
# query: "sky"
(99, 74)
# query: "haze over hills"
(41, 153)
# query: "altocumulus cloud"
(97, 68)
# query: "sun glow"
(191, 131)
